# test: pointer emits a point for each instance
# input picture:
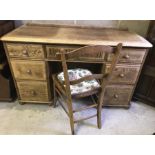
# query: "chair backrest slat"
(89, 52)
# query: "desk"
(31, 52)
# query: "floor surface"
(40, 119)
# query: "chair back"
(94, 52)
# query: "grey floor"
(42, 119)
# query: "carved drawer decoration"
(118, 95)
(18, 50)
(33, 91)
(129, 55)
(88, 56)
(31, 70)
(124, 74)
(53, 49)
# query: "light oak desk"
(31, 52)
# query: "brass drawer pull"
(115, 96)
(121, 75)
(29, 72)
(25, 52)
(126, 56)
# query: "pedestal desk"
(31, 52)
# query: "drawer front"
(51, 50)
(33, 70)
(124, 74)
(118, 95)
(88, 56)
(33, 91)
(25, 50)
(129, 55)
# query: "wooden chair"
(65, 82)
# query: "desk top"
(54, 34)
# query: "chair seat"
(82, 87)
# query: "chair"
(78, 83)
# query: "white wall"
(138, 26)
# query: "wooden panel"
(7, 90)
(145, 90)
(53, 34)
(129, 55)
(125, 74)
(149, 70)
(80, 56)
(144, 85)
(33, 91)
(26, 69)
(118, 95)
(151, 95)
(5, 86)
(51, 50)
(25, 50)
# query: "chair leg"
(72, 126)
(54, 96)
(99, 111)
(71, 117)
(99, 122)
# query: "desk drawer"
(53, 49)
(31, 70)
(118, 95)
(18, 50)
(124, 74)
(83, 56)
(33, 91)
(129, 55)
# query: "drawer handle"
(126, 56)
(121, 75)
(33, 92)
(29, 71)
(25, 52)
(116, 96)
